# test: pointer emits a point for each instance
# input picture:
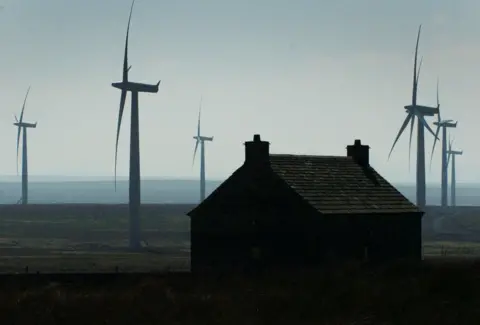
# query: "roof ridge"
(314, 156)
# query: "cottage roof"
(339, 185)
(330, 184)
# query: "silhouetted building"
(284, 210)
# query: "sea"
(173, 191)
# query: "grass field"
(93, 238)
(88, 239)
(451, 249)
(464, 218)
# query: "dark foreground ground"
(436, 292)
(445, 289)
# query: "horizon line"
(107, 177)
(77, 178)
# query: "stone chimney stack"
(257, 152)
(359, 153)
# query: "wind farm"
(299, 199)
(137, 210)
(444, 125)
(417, 112)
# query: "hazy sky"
(309, 76)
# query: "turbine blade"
(15, 116)
(125, 57)
(418, 77)
(449, 149)
(434, 143)
(195, 151)
(419, 69)
(412, 123)
(199, 115)
(402, 128)
(23, 107)
(449, 153)
(414, 90)
(123, 97)
(425, 124)
(438, 101)
(18, 143)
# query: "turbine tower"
(443, 124)
(23, 126)
(417, 111)
(134, 174)
(201, 139)
(452, 153)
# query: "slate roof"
(338, 185)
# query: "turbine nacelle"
(446, 123)
(202, 138)
(423, 110)
(136, 87)
(25, 124)
(455, 152)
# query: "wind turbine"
(23, 126)
(417, 111)
(443, 124)
(134, 175)
(452, 153)
(201, 139)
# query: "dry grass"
(451, 249)
(91, 262)
(431, 293)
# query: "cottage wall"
(339, 237)
(299, 238)
(277, 228)
(275, 242)
(396, 237)
(372, 237)
(284, 241)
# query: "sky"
(309, 76)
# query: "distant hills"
(55, 178)
(170, 180)
(77, 189)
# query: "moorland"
(442, 289)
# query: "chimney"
(359, 153)
(257, 152)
